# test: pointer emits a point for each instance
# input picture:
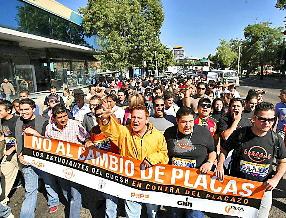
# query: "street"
(271, 86)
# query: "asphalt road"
(94, 208)
(271, 86)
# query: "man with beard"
(160, 120)
(140, 140)
(255, 149)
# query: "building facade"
(42, 43)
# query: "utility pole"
(238, 61)
(156, 65)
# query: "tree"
(127, 32)
(33, 20)
(281, 4)
(261, 45)
(225, 54)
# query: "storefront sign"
(162, 184)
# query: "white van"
(224, 76)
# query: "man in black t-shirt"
(9, 163)
(189, 145)
(250, 103)
(29, 123)
(255, 149)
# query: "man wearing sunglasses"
(192, 101)
(160, 120)
(203, 118)
(255, 151)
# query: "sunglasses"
(201, 88)
(205, 105)
(262, 119)
(94, 105)
(53, 101)
(157, 105)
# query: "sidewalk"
(267, 82)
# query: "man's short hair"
(121, 90)
(29, 102)
(201, 83)
(53, 87)
(157, 98)
(141, 108)
(235, 100)
(158, 88)
(25, 91)
(16, 100)
(7, 104)
(204, 100)
(184, 111)
(283, 91)
(113, 97)
(168, 95)
(94, 98)
(58, 109)
(251, 95)
(263, 106)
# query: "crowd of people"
(182, 121)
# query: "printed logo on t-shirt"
(180, 162)
(257, 154)
(103, 144)
(185, 144)
(6, 131)
(254, 169)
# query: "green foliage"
(127, 32)
(226, 54)
(281, 4)
(35, 21)
(261, 45)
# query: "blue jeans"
(265, 205)
(72, 194)
(133, 209)
(110, 206)
(5, 211)
(179, 212)
(8, 97)
(31, 178)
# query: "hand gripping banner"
(161, 184)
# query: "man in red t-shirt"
(203, 118)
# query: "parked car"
(225, 76)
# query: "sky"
(199, 25)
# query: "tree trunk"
(261, 72)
